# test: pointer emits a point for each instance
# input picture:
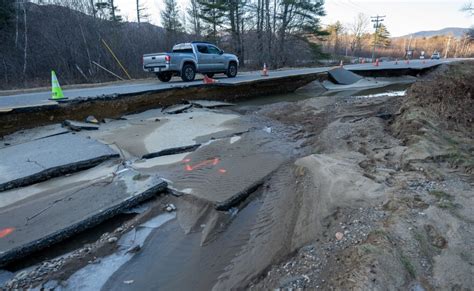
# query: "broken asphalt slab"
(175, 109)
(343, 77)
(33, 134)
(55, 214)
(78, 125)
(45, 158)
(210, 104)
(223, 172)
(158, 135)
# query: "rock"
(78, 126)
(434, 237)
(339, 235)
(92, 119)
(133, 250)
(170, 207)
(112, 239)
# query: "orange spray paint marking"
(6, 231)
(186, 160)
(223, 171)
(211, 162)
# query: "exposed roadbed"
(335, 192)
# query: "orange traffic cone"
(376, 62)
(265, 70)
(208, 80)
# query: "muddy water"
(173, 260)
(311, 92)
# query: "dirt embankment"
(393, 181)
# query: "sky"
(402, 17)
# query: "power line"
(364, 8)
(377, 20)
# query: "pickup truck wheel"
(210, 75)
(232, 70)
(165, 76)
(188, 73)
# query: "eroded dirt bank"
(413, 229)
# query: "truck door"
(204, 58)
(217, 59)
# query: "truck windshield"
(183, 50)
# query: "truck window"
(213, 50)
(202, 49)
(183, 50)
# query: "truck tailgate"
(154, 60)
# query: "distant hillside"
(455, 31)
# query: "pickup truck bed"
(187, 59)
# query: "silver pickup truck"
(187, 59)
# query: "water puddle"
(384, 94)
(94, 276)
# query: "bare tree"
(193, 12)
(141, 13)
(469, 8)
(357, 29)
(235, 13)
(25, 50)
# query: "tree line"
(82, 38)
(357, 39)
(88, 41)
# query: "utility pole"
(377, 20)
(447, 48)
(138, 12)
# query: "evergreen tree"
(382, 37)
(213, 16)
(108, 10)
(335, 31)
(170, 17)
(299, 18)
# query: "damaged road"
(42, 159)
(335, 192)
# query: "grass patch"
(408, 265)
(441, 195)
(368, 249)
(446, 204)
